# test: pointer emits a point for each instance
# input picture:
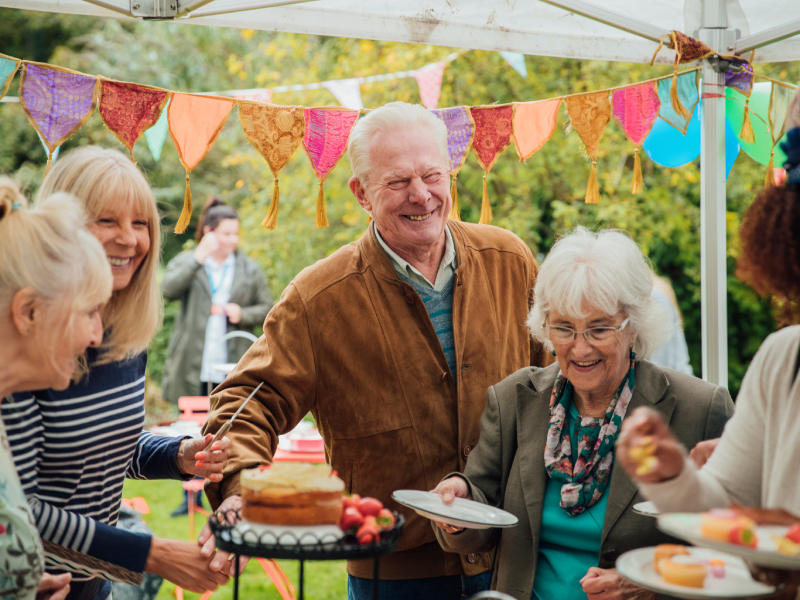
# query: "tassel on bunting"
(747, 133)
(322, 215)
(271, 220)
(675, 98)
(455, 212)
(486, 208)
(186, 213)
(49, 163)
(769, 180)
(636, 185)
(592, 188)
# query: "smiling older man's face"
(408, 192)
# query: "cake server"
(229, 423)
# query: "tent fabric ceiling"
(525, 26)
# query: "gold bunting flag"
(778, 108)
(636, 109)
(276, 132)
(195, 122)
(494, 127)
(589, 115)
(325, 140)
(130, 109)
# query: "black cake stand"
(307, 547)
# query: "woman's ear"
(25, 311)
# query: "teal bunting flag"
(157, 134)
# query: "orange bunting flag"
(589, 115)
(276, 132)
(194, 125)
(130, 109)
(636, 109)
(534, 125)
(493, 133)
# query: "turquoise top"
(568, 546)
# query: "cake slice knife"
(229, 423)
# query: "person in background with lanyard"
(220, 290)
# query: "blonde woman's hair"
(102, 179)
(48, 250)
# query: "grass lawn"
(323, 580)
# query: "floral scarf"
(586, 481)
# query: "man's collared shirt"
(446, 270)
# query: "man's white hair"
(606, 271)
(388, 118)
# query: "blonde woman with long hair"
(53, 280)
(73, 468)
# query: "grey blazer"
(506, 468)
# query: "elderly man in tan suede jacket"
(391, 343)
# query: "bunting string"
(59, 101)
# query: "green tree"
(538, 200)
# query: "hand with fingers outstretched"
(449, 490)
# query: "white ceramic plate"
(286, 535)
(637, 566)
(459, 513)
(686, 526)
(648, 509)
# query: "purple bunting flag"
(460, 133)
(57, 101)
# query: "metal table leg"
(375, 578)
(236, 578)
(300, 595)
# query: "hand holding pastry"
(647, 449)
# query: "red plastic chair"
(194, 408)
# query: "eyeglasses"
(595, 335)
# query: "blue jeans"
(451, 587)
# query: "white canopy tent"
(619, 30)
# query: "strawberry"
(385, 519)
(370, 507)
(351, 519)
(351, 501)
(742, 535)
(368, 532)
(794, 533)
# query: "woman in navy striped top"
(73, 448)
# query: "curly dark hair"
(770, 258)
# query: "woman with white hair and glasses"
(546, 449)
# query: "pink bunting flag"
(56, 101)
(636, 109)
(325, 140)
(429, 80)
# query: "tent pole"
(769, 36)
(712, 197)
(611, 18)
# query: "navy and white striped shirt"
(74, 448)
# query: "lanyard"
(215, 288)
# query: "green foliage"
(538, 201)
